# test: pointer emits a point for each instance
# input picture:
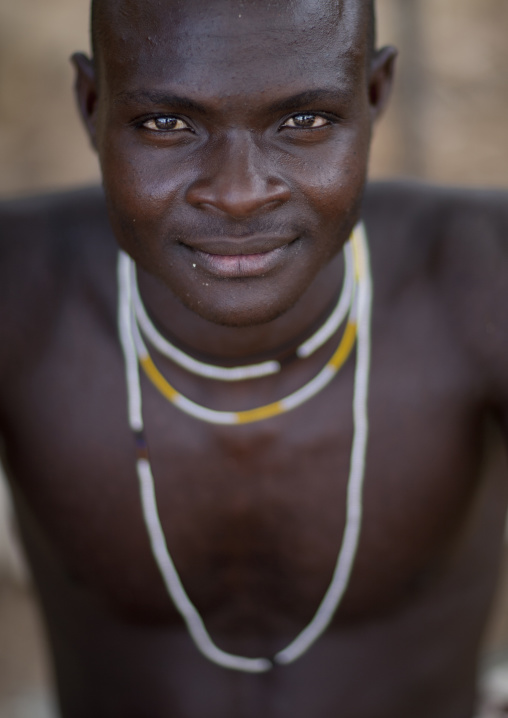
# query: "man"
(233, 139)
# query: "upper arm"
(46, 243)
(28, 281)
(474, 282)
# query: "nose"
(238, 180)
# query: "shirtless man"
(233, 138)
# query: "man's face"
(233, 138)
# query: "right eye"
(306, 121)
(165, 123)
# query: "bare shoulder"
(454, 240)
(46, 242)
(416, 224)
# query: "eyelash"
(142, 124)
(316, 115)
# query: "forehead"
(216, 45)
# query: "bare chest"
(253, 516)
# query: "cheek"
(141, 182)
(335, 175)
(142, 193)
(334, 190)
(136, 179)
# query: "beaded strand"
(354, 502)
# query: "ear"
(85, 87)
(382, 71)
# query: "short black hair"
(98, 5)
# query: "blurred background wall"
(447, 123)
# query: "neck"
(223, 344)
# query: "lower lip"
(240, 265)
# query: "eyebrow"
(309, 97)
(287, 104)
(160, 98)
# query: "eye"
(165, 123)
(306, 121)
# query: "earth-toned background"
(447, 123)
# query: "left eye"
(165, 124)
(306, 121)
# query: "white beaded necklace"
(253, 371)
(354, 501)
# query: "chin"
(239, 317)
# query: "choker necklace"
(281, 406)
(354, 501)
(252, 371)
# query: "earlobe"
(381, 80)
(85, 87)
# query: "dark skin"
(265, 149)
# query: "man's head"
(229, 129)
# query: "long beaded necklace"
(354, 501)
